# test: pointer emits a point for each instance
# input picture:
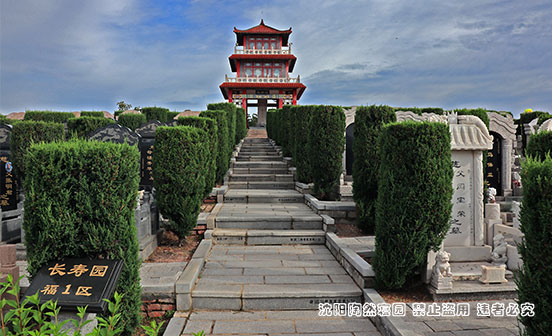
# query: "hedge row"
(59, 117)
(368, 123)
(80, 198)
(24, 134)
(420, 110)
(413, 204)
(314, 137)
(211, 129)
(97, 114)
(80, 127)
(132, 121)
(535, 277)
(156, 113)
(539, 145)
(222, 157)
(179, 172)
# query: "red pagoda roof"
(262, 29)
(235, 57)
(226, 85)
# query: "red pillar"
(280, 103)
(294, 97)
(230, 95)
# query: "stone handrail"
(244, 51)
(259, 79)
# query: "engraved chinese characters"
(77, 282)
(8, 181)
(461, 229)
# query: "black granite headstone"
(77, 283)
(115, 133)
(5, 136)
(349, 154)
(494, 164)
(8, 183)
(147, 140)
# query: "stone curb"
(387, 325)
(361, 271)
(185, 283)
(175, 326)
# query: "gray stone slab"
(271, 257)
(216, 290)
(443, 326)
(203, 249)
(253, 264)
(232, 279)
(250, 327)
(297, 279)
(300, 290)
(334, 325)
(175, 326)
(302, 263)
(197, 326)
(274, 271)
(222, 271)
(326, 270)
(227, 315)
(188, 278)
(217, 303)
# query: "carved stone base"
(493, 274)
(443, 283)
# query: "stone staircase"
(268, 251)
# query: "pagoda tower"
(262, 60)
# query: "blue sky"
(74, 55)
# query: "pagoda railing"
(243, 51)
(259, 79)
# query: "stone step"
(261, 177)
(258, 148)
(270, 222)
(289, 277)
(263, 164)
(256, 140)
(268, 237)
(258, 153)
(257, 171)
(258, 158)
(263, 196)
(261, 185)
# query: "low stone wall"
(343, 212)
(360, 270)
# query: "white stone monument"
(465, 239)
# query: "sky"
(71, 55)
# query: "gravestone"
(8, 181)
(77, 283)
(493, 171)
(466, 236)
(147, 139)
(115, 133)
(503, 130)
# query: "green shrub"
(171, 115)
(525, 118)
(478, 112)
(132, 121)
(241, 124)
(326, 143)
(284, 130)
(156, 113)
(179, 174)
(302, 158)
(211, 129)
(368, 123)
(414, 198)
(3, 119)
(223, 158)
(543, 118)
(80, 127)
(539, 144)
(96, 114)
(231, 116)
(80, 198)
(25, 133)
(51, 116)
(270, 123)
(535, 277)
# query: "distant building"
(263, 60)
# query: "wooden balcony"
(259, 79)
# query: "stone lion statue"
(498, 255)
(441, 269)
(491, 195)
